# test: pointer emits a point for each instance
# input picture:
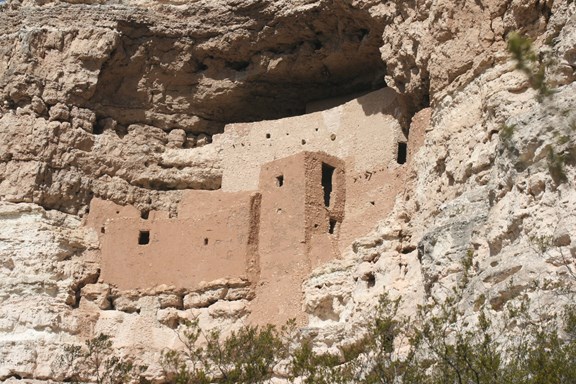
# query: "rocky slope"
(119, 99)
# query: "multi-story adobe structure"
(295, 193)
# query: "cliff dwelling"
(295, 193)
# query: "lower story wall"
(181, 252)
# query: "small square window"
(144, 237)
(280, 180)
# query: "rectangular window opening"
(332, 226)
(205, 241)
(327, 173)
(402, 153)
(280, 180)
(144, 237)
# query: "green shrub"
(520, 47)
(246, 356)
(98, 361)
(439, 349)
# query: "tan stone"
(169, 317)
(97, 293)
(176, 138)
(170, 300)
(204, 299)
(239, 294)
(229, 309)
(126, 304)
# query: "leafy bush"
(438, 349)
(246, 356)
(99, 362)
(528, 62)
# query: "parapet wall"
(366, 129)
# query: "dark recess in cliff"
(186, 80)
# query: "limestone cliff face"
(119, 100)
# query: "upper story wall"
(366, 129)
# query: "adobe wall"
(277, 233)
(371, 194)
(365, 129)
(294, 231)
(282, 242)
(364, 133)
(324, 223)
(218, 241)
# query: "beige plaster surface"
(282, 242)
(365, 129)
(371, 194)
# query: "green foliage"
(371, 359)
(520, 47)
(385, 330)
(556, 163)
(246, 356)
(98, 361)
(506, 132)
(316, 368)
(457, 354)
(561, 151)
(544, 357)
(186, 366)
(439, 348)
(541, 244)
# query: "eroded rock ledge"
(193, 65)
(136, 70)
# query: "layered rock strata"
(119, 100)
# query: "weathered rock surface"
(434, 48)
(59, 164)
(484, 212)
(119, 100)
(188, 65)
(51, 297)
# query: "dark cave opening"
(323, 55)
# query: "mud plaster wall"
(370, 195)
(365, 129)
(273, 237)
(323, 223)
(294, 227)
(363, 132)
(217, 242)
